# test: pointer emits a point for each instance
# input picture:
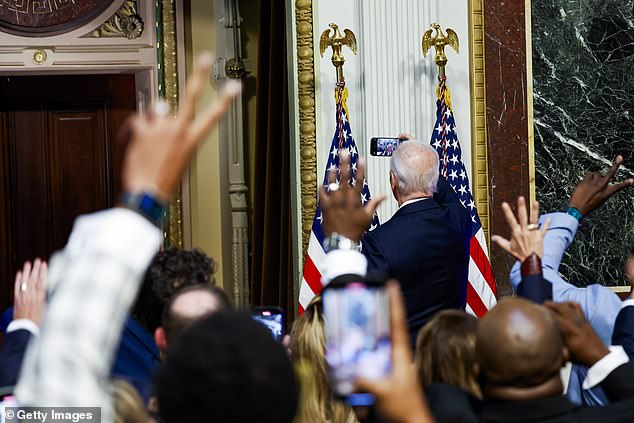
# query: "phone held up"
(272, 318)
(384, 146)
(358, 343)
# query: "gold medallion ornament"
(434, 37)
(39, 57)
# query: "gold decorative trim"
(479, 161)
(307, 117)
(528, 29)
(126, 22)
(170, 67)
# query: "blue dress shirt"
(600, 304)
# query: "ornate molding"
(307, 117)
(479, 161)
(126, 22)
(170, 72)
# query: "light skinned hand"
(162, 145)
(30, 292)
(583, 344)
(524, 241)
(342, 209)
(594, 189)
(399, 397)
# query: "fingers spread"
(613, 169)
(510, 217)
(535, 212)
(505, 244)
(521, 211)
(207, 119)
(195, 85)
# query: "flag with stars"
(481, 289)
(311, 280)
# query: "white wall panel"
(391, 86)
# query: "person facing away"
(185, 307)
(520, 351)
(308, 351)
(138, 355)
(425, 245)
(227, 368)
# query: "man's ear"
(160, 338)
(476, 369)
(393, 182)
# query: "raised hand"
(341, 205)
(30, 292)
(526, 238)
(162, 144)
(594, 189)
(583, 344)
(399, 397)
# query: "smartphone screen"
(272, 318)
(382, 146)
(357, 336)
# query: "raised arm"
(95, 279)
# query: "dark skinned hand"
(594, 189)
(342, 209)
(583, 344)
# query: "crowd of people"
(145, 335)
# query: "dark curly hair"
(170, 270)
(227, 368)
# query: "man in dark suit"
(425, 245)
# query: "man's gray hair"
(415, 166)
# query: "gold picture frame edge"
(479, 150)
(170, 67)
(307, 114)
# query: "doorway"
(58, 159)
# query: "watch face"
(38, 18)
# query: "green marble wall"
(583, 71)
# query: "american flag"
(311, 281)
(481, 290)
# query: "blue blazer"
(11, 355)
(623, 333)
(425, 246)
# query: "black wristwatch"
(145, 204)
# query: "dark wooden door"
(58, 159)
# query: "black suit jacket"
(619, 387)
(11, 355)
(425, 246)
(623, 333)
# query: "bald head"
(191, 304)
(520, 351)
(414, 171)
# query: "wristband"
(572, 211)
(144, 204)
(532, 265)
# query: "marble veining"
(583, 73)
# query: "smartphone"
(358, 342)
(272, 318)
(383, 146)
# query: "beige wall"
(208, 187)
(205, 176)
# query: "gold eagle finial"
(337, 41)
(439, 40)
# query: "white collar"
(415, 200)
